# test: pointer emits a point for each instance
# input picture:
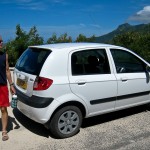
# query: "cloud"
(15, 1)
(26, 4)
(141, 16)
(24, 1)
(33, 4)
(96, 26)
(58, 1)
(82, 25)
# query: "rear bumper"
(34, 101)
(37, 114)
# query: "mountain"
(142, 28)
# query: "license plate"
(22, 83)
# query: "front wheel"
(66, 122)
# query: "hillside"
(142, 28)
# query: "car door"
(133, 80)
(91, 79)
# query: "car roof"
(71, 46)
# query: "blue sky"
(88, 17)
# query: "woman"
(4, 94)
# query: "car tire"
(66, 122)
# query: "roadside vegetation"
(135, 41)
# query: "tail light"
(42, 83)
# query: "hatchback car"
(60, 84)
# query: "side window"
(89, 62)
(126, 62)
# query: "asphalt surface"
(122, 130)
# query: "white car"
(60, 84)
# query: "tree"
(64, 38)
(23, 39)
(83, 38)
(135, 41)
(33, 37)
(52, 39)
(13, 54)
(20, 42)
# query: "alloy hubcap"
(68, 122)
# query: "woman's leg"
(4, 118)
(4, 114)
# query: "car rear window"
(32, 60)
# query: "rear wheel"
(66, 122)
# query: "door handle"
(82, 82)
(124, 79)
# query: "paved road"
(122, 130)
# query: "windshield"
(32, 60)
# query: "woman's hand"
(12, 89)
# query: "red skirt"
(4, 96)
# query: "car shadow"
(12, 124)
(40, 130)
(87, 122)
(31, 125)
